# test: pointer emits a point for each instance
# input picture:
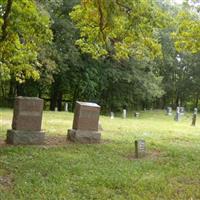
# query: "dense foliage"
(118, 53)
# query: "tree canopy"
(118, 53)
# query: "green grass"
(171, 170)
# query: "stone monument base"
(25, 137)
(84, 136)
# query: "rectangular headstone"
(140, 148)
(27, 114)
(169, 111)
(86, 123)
(27, 120)
(86, 116)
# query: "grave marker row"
(27, 120)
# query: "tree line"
(120, 54)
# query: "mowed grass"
(171, 169)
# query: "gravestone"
(112, 115)
(177, 116)
(194, 118)
(66, 107)
(169, 111)
(124, 113)
(182, 110)
(137, 114)
(56, 109)
(27, 120)
(85, 124)
(140, 148)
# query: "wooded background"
(117, 53)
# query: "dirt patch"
(6, 181)
(52, 141)
(150, 155)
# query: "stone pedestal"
(27, 120)
(25, 137)
(85, 123)
(84, 136)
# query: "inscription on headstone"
(140, 148)
(86, 123)
(26, 124)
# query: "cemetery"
(99, 100)
(136, 157)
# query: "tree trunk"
(53, 97)
(59, 100)
(197, 101)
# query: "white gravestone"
(112, 116)
(124, 113)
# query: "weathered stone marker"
(169, 111)
(194, 118)
(27, 120)
(182, 110)
(137, 114)
(177, 116)
(140, 148)
(85, 124)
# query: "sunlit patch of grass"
(171, 169)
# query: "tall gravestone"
(124, 113)
(178, 115)
(85, 124)
(194, 118)
(27, 120)
(66, 107)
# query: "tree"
(187, 35)
(118, 29)
(24, 30)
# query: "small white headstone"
(112, 115)
(56, 109)
(66, 107)
(124, 113)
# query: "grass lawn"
(109, 170)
